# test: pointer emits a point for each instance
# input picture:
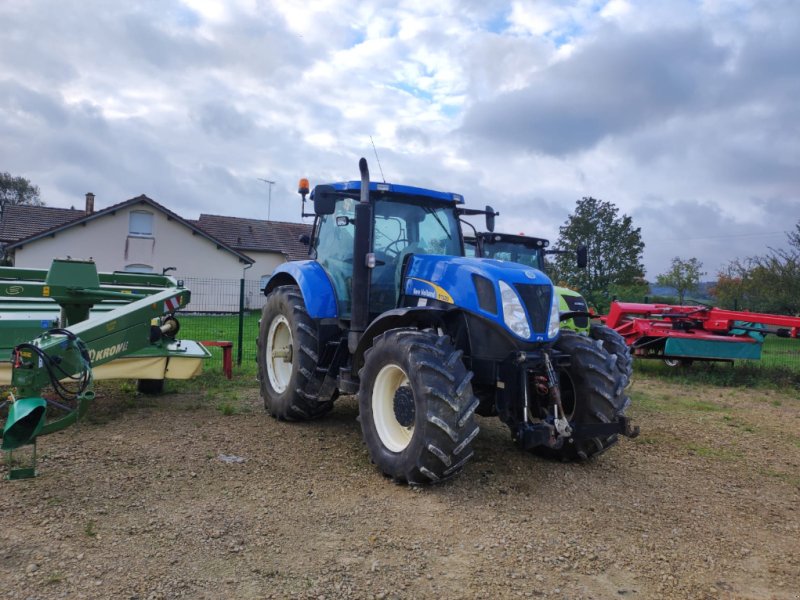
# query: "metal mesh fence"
(780, 353)
(224, 310)
(221, 296)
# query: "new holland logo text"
(108, 352)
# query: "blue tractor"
(389, 308)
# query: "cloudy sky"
(683, 113)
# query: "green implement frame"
(58, 326)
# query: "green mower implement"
(60, 329)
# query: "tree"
(683, 275)
(615, 251)
(17, 190)
(729, 290)
(769, 283)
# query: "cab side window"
(333, 247)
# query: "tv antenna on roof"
(269, 201)
(378, 159)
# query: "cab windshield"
(404, 228)
(514, 252)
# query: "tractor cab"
(505, 246)
(405, 221)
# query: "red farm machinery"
(681, 335)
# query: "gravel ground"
(174, 498)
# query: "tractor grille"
(577, 303)
(487, 298)
(537, 300)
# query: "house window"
(138, 269)
(141, 223)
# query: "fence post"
(241, 323)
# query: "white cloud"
(616, 9)
(681, 113)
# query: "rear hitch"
(533, 435)
(628, 429)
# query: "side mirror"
(324, 200)
(490, 214)
(583, 257)
(304, 239)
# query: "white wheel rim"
(392, 433)
(671, 362)
(279, 354)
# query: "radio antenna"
(378, 159)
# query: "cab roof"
(396, 189)
(510, 238)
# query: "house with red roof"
(142, 235)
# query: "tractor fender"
(314, 284)
(419, 317)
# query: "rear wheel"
(614, 344)
(416, 406)
(590, 394)
(678, 362)
(287, 357)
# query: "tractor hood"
(517, 297)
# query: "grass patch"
(738, 424)
(657, 439)
(224, 328)
(227, 408)
(700, 405)
(665, 403)
(89, 529)
(721, 375)
(709, 452)
(53, 578)
(789, 478)
(214, 384)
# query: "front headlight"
(513, 311)
(555, 317)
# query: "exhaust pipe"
(362, 245)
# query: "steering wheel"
(396, 252)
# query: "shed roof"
(258, 235)
(23, 220)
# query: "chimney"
(89, 203)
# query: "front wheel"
(678, 362)
(590, 394)
(613, 343)
(416, 406)
(287, 357)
